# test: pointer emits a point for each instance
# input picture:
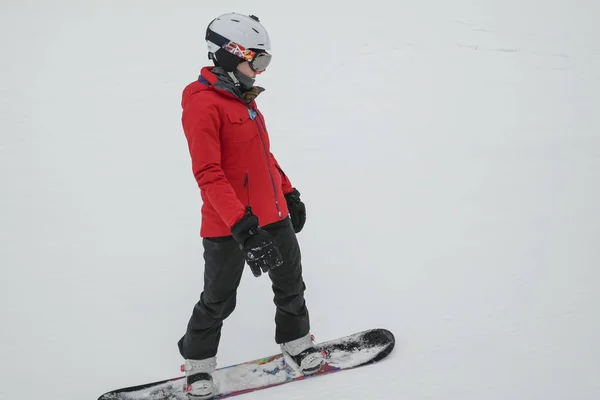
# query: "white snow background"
(448, 154)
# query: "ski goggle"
(259, 59)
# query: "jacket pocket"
(241, 127)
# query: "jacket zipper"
(267, 159)
(247, 186)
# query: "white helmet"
(241, 36)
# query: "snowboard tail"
(356, 350)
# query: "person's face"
(245, 68)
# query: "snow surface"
(448, 154)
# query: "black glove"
(259, 248)
(297, 210)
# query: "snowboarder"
(251, 213)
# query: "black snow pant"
(224, 265)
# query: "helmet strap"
(234, 79)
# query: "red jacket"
(231, 158)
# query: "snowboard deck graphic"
(356, 350)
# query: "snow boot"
(199, 384)
(304, 354)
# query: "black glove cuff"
(293, 196)
(245, 227)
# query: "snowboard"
(356, 350)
